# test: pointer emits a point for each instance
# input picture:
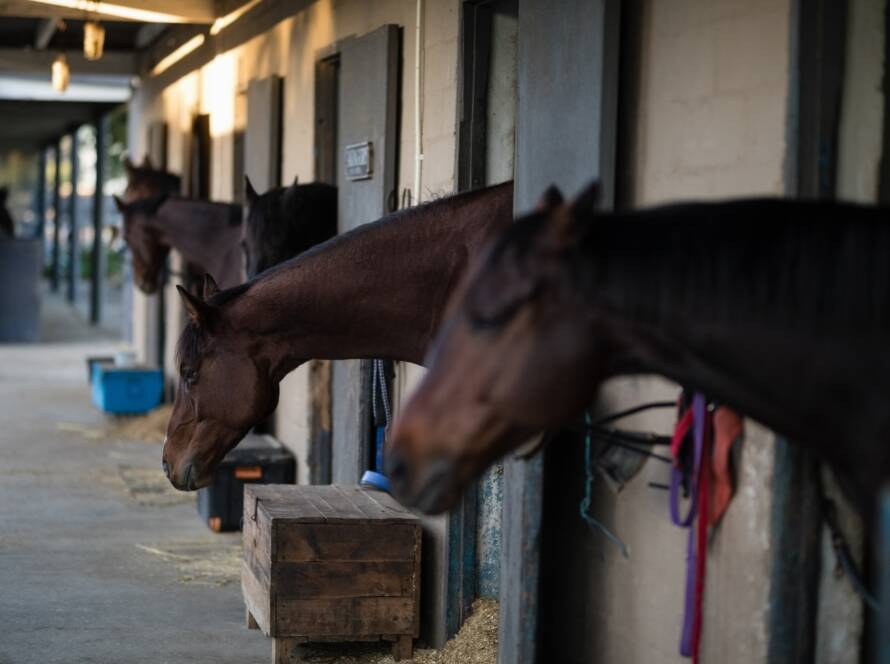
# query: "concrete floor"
(99, 561)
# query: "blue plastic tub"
(126, 390)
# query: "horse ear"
(129, 167)
(198, 310)
(121, 206)
(296, 181)
(588, 200)
(4, 192)
(146, 163)
(550, 200)
(250, 191)
(210, 287)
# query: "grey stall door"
(262, 135)
(366, 175)
(564, 135)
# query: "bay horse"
(286, 221)
(375, 292)
(779, 309)
(207, 234)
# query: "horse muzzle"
(433, 490)
(187, 477)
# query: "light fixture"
(61, 74)
(93, 40)
(177, 55)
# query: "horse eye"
(190, 377)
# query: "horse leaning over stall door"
(777, 308)
(207, 234)
(376, 292)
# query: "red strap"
(702, 544)
(728, 429)
(684, 424)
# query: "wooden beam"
(176, 11)
(259, 19)
(27, 61)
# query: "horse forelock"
(189, 348)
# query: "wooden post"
(40, 195)
(98, 258)
(73, 249)
(881, 626)
(57, 220)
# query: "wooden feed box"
(330, 563)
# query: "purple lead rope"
(699, 412)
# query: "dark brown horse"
(286, 221)
(375, 292)
(207, 234)
(146, 182)
(780, 309)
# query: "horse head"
(225, 388)
(147, 243)
(286, 221)
(507, 362)
(145, 181)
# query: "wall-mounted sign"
(359, 160)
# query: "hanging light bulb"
(93, 40)
(61, 74)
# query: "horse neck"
(375, 292)
(737, 300)
(203, 233)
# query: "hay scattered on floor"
(149, 486)
(148, 428)
(475, 643)
(206, 563)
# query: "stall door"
(368, 80)
(262, 135)
(564, 135)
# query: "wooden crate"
(330, 563)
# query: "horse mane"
(816, 263)
(812, 263)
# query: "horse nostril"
(166, 468)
